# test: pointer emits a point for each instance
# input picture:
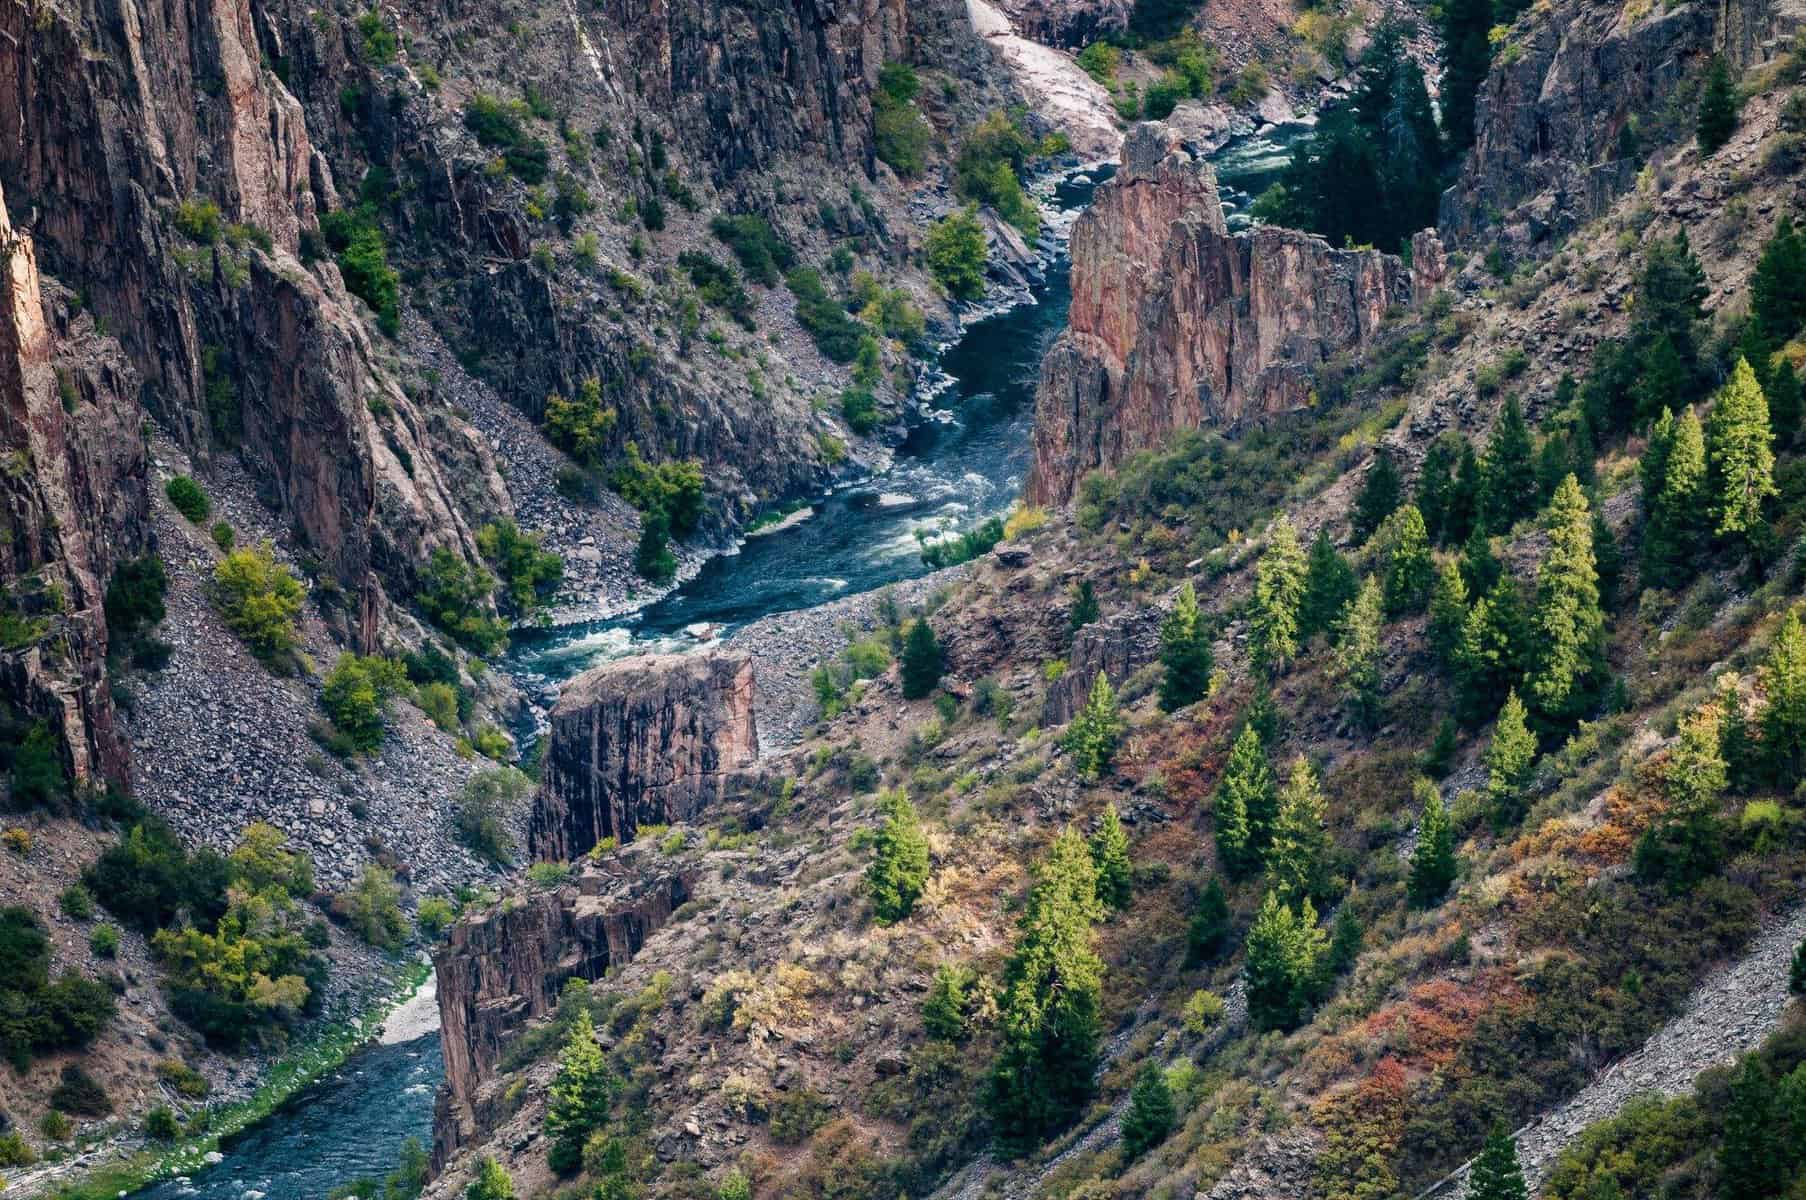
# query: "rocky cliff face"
(498, 971)
(641, 741)
(1177, 323)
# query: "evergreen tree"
(1750, 1163)
(1151, 1113)
(1783, 720)
(578, 1105)
(899, 866)
(1740, 455)
(1208, 932)
(1490, 656)
(1554, 462)
(1796, 974)
(1246, 803)
(1778, 290)
(1185, 656)
(1297, 857)
(1508, 477)
(920, 666)
(1663, 381)
(1110, 854)
(1448, 610)
(1262, 715)
(1569, 624)
(1284, 952)
(1687, 844)
(1609, 560)
(1735, 745)
(1509, 759)
(1467, 51)
(1462, 513)
(1785, 403)
(1717, 108)
(1044, 1074)
(1433, 866)
(1358, 656)
(1329, 586)
(491, 1183)
(1672, 534)
(949, 997)
(1380, 495)
(1495, 1174)
(1404, 551)
(1671, 294)
(1440, 757)
(1278, 591)
(1436, 484)
(1084, 607)
(1346, 936)
(1480, 567)
(1091, 739)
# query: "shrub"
(899, 133)
(357, 694)
(763, 255)
(77, 901)
(363, 257)
(135, 594)
(80, 1093)
(439, 701)
(160, 1123)
(836, 334)
(950, 998)
(372, 908)
(674, 488)
(455, 595)
(718, 286)
(860, 408)
(223, 536)
(187, 1082)
(55, 1126)
(963, 547)
(434, 915)
(1203, 1012)
(188, 498)
(146, 878)
(958, 254)
(498, 125)
(259, 598)
(581, 426)
(199, 221)
(548, 875)
(17, 840)
(38, 778)
(529, 573)
(37, 1014)
(484, 811)
(104, 940)
(15, 1151)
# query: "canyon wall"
(1177, 323)
(647, 740)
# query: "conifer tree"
(1110, 854)
(1379, 497)
(899, 866)
(1358, 656)
(492, 1183)
(1262, 715)
(1783, 720)
(1433, 865)
(1609, 560)
(1044, 1074)
(1084, 607)
(1405, 562)
(580, 1095)
(1440, 757)
(1435, 485)
(1554, 462)
(1664, 380)
(1463, 510)
(1278, 592)
(1185, 656)
(1735, 745)
(920, 668)
(1330, 585)
(1448, 610)
(1717, 108)
(1796, 973)
(1495, 1174)
(1671, 293)
(1785, 402)
(1509, 759)
(1151, 1113)
(1671, 537)
(1740, 454)
(1284, 954)
(1569, 624)
(1508, 477)
(1091, 738)
(1467, 51)
(1687, 844)
(1245, 805)
(1480, 567)
(1298, 854)
(1778, 290)
(1750, 1165)
(1208, 932)
(1490, 656)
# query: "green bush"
(260, 599)
(357, 694)
(363, 257)
(860, 408)
(161, 1125)
(379, 43)
(81, 1094)
(439, 701)
(718, 286)
(55, 1126)
(673, 488)
(962, 547)
(989, 171)
(135, 593)
(188, 498)
(899, 133)
(147, 878)
(958, 253)
(372, 908)
(38, 778)
(529, 573)
(836, 334)
(763, 255)
(434, 915)
(36, 1013)
(580, 427)
(455, 595)
(187, 1082)
(15, 1151)
(497, 124)
(199, 221)
(104, 940)
(76, 901)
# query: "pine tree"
(1379, 497)
(491, 1183)
(1084, 607)
(1404, 554)
(1463, 511)
(1490, 656)
(1495, 1174)
(1509, 759)
(1785, 402)
(1796, 974)
(1735, 745)
(1440, 757)
(1750, 1165)
(1467, 51)
(1448, 610)
(1480, 567)
(1778, 289)
(580, 1095)
(1783, 720)
(899, 866)
(1284, 953)
(1569, 624)
(1672, 535)
(1185, 656)
(920, 668)
(1687, 844)
(1554, 462)
(1208, 932)
(1330, 585)
(1298, 854)
(1508, 477)
(1671, 293)
(1262, 715)
(1245, 804)
(1433, 865)
(1091, 739)
(949, 998)
(1717, 108)
(1740, 454)
(1664, 380)
(1609, 560)
(1278, 592)
(1436, 484)
(1110, 854)
(1044, 1074)
(1358, 656)
(1151, 1113)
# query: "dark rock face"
(1067, 23)
(498, 971)
(1118, 646)
(1177, 323)
(646, 740)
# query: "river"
(963, 465)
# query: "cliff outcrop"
(647, 740)
(1178, 324)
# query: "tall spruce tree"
(920, 668)
(1462, 513)
(1740, 455)
(1185, 657)
(1091, 738)
(1735, 745)
(1509, 759)
(1686, 845)
(1436, 483)
(1569, 624)
(1467, 53)
(1358, 656)
(1245, 804)
(1783, 720)
(1750, 1163)
(1495, 1174)
(1330, 585)
(1151, 1113)
(1110, 854)
(1297, 856)
(1448, 610)
(1433, 865)
(1208, 933)
(1044, 1073)
(1717, 108)
(580, 1095)
(1609, 560)
(1778, 288)
(1282, 967)
(1279, 579)
(1490, 657)
(1405, 562)
(1084, 607)
(899, 867)
(1480, 567)
(1671, 294)
(1507, 472)
(1381, 493)
(1675, 526)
